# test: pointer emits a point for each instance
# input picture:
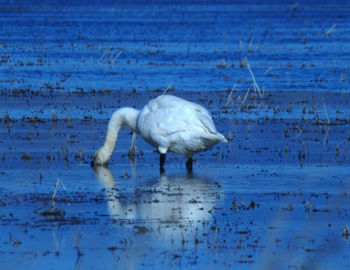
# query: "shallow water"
(191, 46)
(274, 197)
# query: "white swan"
(168, 123)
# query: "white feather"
(168, 123)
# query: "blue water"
(151, 45)
(275, 197)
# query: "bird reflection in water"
(173, 206)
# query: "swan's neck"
(123, 116)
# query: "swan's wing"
(167, 115)
(173, 114)
(204, 119)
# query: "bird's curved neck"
(123, 116)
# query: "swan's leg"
(162, 162)
(189, 163)
(132, 148)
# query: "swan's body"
(169, 123)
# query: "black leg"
(189, 164)
(161, 163)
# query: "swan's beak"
(96, 163)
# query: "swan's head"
(101, 157)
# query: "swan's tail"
(216, 137)
(221, 138)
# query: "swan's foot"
(132, 148)
(161, 163)
(132, 153)
(189, 163)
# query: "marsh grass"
(8, 121)
(14, 241)
(346, 233)
(109, 56)
(245, 97)
(170, 87)
(326, 113)
(245, 63)
(58, 184)
(221, 64)
(254, 97)
(229, 99)
(53, 211)
(79, 155)
(268, 70)
(330, 30)
(77, 246)
(69, 122)
(54, 120)
(53, 117)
